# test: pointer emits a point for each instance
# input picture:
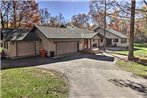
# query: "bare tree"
(44, 15)
(80, 20)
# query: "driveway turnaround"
(96, 76)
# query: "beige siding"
(11, 51)
(46, 44)
(119, 44)
(81, 44)
(51, 46)
(95, 41)
(38, 46)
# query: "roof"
(49, 32)
(114, 32)
(68, 32)
(18, 34)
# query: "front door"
(109, 42)
(99, 42)
(86, 43)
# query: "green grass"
(139, 51)
(33, 83)
(134, 67)
(1, 49)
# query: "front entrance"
(109, 42)
(86, 43)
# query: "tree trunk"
(14, 12)
(105, 27)
(131, 36)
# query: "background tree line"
(24, 13)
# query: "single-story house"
(22, 42)
(113, 37)
(63, 40)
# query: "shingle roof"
(68, 32)
(114, 32)
(18, 34)
(49, 32)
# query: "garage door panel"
(66, 47)
(26, 48)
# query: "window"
(115, 40)
(123, 40)
(93, 40)
(101, 39)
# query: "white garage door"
(25, 48)
(66, 47)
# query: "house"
(23, 42)
(113, 37)
(63, 40)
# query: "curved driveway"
(96, 76)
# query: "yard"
(33, 83)
(138, 69)
(140, 50)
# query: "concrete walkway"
(96, 76)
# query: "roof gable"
(63, 33)
(18, 34)
(114, 32)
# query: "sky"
(68, 8)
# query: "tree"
(131, 35)
(19, 13)
(44, 15)
(80, 20)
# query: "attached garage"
(26, 48)
(66, 47)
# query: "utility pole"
(105, 12)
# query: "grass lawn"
(140, 50)
(134, 67)
(33, 83)
(1, 49)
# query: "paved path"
(96, 76)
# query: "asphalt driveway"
(92, 76)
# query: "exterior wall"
(46, 44)
(38, 46)
(51, 47)
(123, 44)
(95, 40)
(119, 44)
(11, 51)
(81, 45)
(101, 43)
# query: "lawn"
(134, 67)
(33, 83)
(140, 50)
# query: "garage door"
(26, 48)
(66, 47)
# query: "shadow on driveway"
(130, 84)
(35, 61)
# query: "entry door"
(86, 43)
(99, 42)
(108, 42)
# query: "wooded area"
(120, 15)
